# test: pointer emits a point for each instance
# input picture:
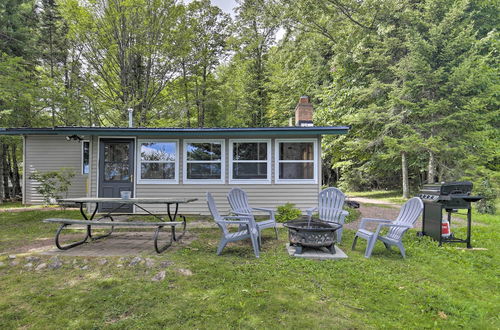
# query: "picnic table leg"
(89, 227)
(160, 249)
(173, 218)
(69, 246)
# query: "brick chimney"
(304, 112)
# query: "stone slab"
(310, 253)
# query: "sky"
(225, 5)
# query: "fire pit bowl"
(315, 234)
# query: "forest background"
(418, 80)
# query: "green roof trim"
(198, 132)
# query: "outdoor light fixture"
(73, 137)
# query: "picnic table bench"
(159, 225)
(107, 220)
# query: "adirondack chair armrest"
(241, 213)
(381, 225)
(366, 220)
(237, 219)
(310, 211)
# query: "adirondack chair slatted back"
(238, 200)
(215, 213)
(331, 201)
(408, 215)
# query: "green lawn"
(433, 288)
(8, 205)
(393, 196)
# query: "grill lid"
(446, 189)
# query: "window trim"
(268, 162)
(90, 152)
(139, 163)
(277, 161)
(222, 180)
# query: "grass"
(433, 288)
(8, 205)
(393, 196)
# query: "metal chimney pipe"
(130, 117)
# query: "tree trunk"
(1, 175)
(16, 182)
(431, 174)
(186, 94)
(203, 96)
(404, 170)
(5, 174)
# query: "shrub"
(287, 212)
(53, 184)
(487, 204)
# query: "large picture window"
(296, 161)
(157, 161)
(250, 161)
(204, 161)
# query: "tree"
(130, 47)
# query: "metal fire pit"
(314, 234)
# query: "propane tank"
(445, 228)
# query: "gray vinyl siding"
(51, 153)
(47, 153)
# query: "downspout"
(24, 170)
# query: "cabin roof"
(177, 131)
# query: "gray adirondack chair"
(238, 200)
(330, 203)
(247, 227)
(406, 219)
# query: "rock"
(12, 256)
(166, 263)
(56, 264)
(29, 265)
(135, 261)
(41, 266)
(14, 263)
(33, 259)
(149, 263)
(159, 277)
(2, 264)
(102, 262)
(84, 267)
(119, 265)
(185, 272)
(122, 259)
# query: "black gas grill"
(450, 196)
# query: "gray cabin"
(275, 165)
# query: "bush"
(488, 203)
(53, 184)
(287, 212)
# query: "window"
(250, 161)
(85, 157)
(204, 161)
(157, 161)
(296, 161)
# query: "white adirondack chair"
(238, 200)
(406, 219)
(330, 203)
(247, 227)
